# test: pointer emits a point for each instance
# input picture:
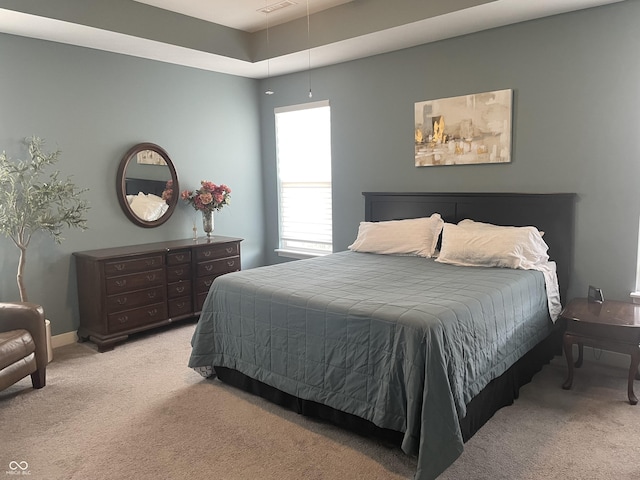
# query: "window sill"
(298, 254)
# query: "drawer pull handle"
(153, 313)
(120, 266)
(229, 249)
(181, 304)
(179, 271)
(208, 283)
(208, 268)
(123, 319)
(231, 263)
(152, 294)
(207, 253)
(151, 261)
(151, 277)
(179, 289)
(121, 283)
(179, 257)
(121, 300)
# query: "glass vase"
(207, 222)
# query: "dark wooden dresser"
(124, 290)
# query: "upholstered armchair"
(23, 344)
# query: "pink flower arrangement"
(208, 197)
(168, 191)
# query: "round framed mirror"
(147, 185)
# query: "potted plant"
(34, 198)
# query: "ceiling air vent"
(277, 6)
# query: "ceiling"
(246, 15)
(229, 36)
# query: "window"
(303, 149)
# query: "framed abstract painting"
(469, 129)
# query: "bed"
(419, 351)
(146, 198)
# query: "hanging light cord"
(309, 50)
(268, 91)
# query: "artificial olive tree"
(33, 198)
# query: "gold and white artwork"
(469, 129)
(149, 157)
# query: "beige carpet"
(139, 413)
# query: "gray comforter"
(403, 342)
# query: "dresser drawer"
(217, 251)
(180, 306)
(176, 258)
(178, 272)
(218, 267)
(136, 281)
(204, 283)
(129, 300)
(138, 264)
(137, 317)
(179, 289)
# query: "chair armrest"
(30, 317)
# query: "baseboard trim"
(64, 339)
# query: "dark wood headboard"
(135, 185)
(553, 213)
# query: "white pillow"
(487, 245)
(416, 236)
(467, 222)
(148, 207)
(153, 197)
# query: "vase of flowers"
(167, 193)
(207, 198)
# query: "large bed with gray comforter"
(403, 342)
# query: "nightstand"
(609, 325)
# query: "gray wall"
(576, 117)
(94, 106)
(575, 79)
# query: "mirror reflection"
(147, 185)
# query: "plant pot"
(47, 326)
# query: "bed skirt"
(500, 392)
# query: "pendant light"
(309, 50)
(268, 91)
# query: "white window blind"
(303, 144)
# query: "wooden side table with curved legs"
(609, 325)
